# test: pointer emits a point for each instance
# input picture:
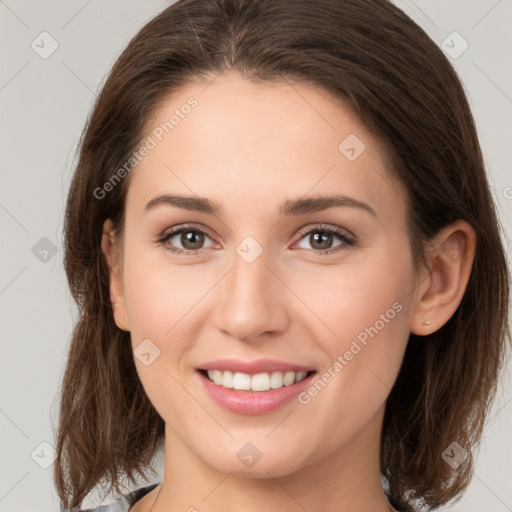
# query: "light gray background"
(44, 104)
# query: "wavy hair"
(387, 69)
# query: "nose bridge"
(250, 273)
(250, 301)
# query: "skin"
(249, 146)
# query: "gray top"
(122, 504)
(126, 501)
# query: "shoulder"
(123, 503)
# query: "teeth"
(258, 382)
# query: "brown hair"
(381, 63)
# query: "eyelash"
(320, 228)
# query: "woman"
(288, 265)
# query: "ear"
(441, 290)
(112, 252)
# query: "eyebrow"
(290, 207)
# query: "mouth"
(259, 382)
(253, 387)
(254, 393)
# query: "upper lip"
(254, 367)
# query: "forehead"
(231, 137)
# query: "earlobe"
(111, 253)
(451, 258)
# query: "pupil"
(325, 239)
(191, 238)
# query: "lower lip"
(253, 402)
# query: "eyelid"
(175, 230)
(327, 227)
(348, 238)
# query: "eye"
(321, 238)
(190, 237)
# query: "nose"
(251, 300)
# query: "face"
(274, 273)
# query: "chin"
(255, 459)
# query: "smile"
(259, 382)
(253, 387)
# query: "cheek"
(160, 297)
(161, 302)
(366, 309)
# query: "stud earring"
(426, 322)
